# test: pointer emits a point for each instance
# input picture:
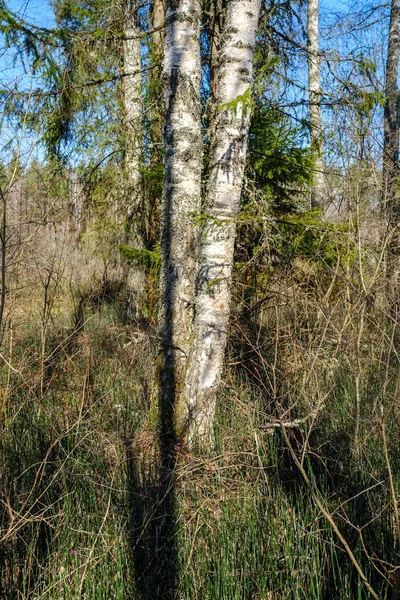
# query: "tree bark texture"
(136, 276)
(15, 201)
(77, 202)
(314, 86)
(181, 201)
(390, 172)
(216, 26)
(158, 25)
(228, 159)
(156, 87)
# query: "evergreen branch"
(75, 86)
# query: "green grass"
(86, 514)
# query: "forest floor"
(91, 509)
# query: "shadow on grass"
(153, 524)
(152, 489)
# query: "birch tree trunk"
(132, 81)
(314, 86)
(181, 196)
(228, 159)
(390, 172)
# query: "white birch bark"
(391, 118)
(132, 87)
(181, 196)
(314, 86)
(228, 158)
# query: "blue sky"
(36, 11)
(39, 13)
(12, 76)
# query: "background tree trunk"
(216, 26)
(155, 76)
(135, 276)
(391, 129)
(228, 159)
(77, 202)
(158, 24)
(181, 197)
(314, 86)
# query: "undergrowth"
(90, 509)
